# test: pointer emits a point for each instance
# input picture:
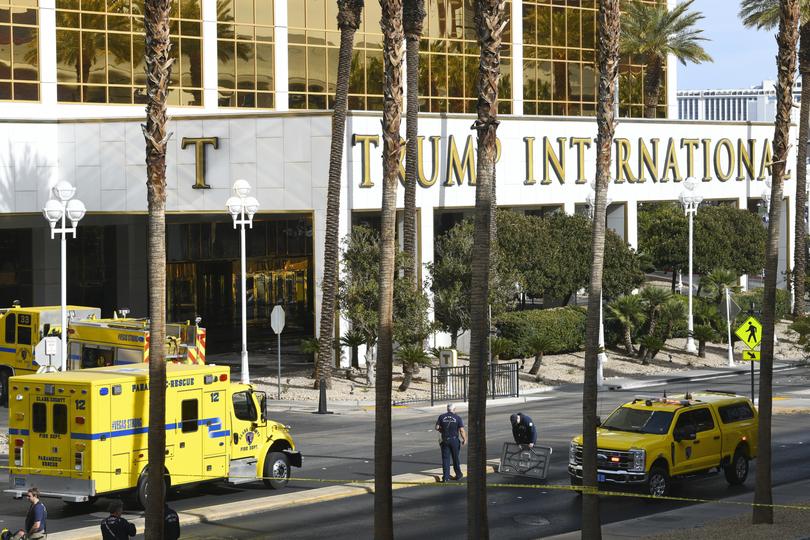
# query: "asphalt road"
(340, 447)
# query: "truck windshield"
(639, 421)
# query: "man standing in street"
(451, 427)
(115, 527)
(523, 430)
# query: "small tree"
(704, 333)
(539, 344)
(650, 344)
(662, 235)
(715, 283)
(673, 314)
(450, 280)
(353, 339)
(411, 357)
(310, 346)
(499, 346)
(654, 299)
(628, 311)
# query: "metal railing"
(452, 383)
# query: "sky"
(742, 57)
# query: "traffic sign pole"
(277, 321)
(752, 382)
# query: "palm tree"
(498, 347)
(539, 344)
(413, 17)
(349, 13)
(764, 14)
(717, 281)
(672, 312)
(411, 356)
(654, 32)
(607, 55)
(628, 311)
(786, 67)
(391, 23)
(703, 333)
(158, 70)
(353, 339)
(490, 24)
(654, 299)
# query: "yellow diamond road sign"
(751, 356)
(750, 332)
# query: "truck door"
(50, 434)
(244, 425)
(704, 451)
(188, 441)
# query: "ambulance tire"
(4, 375)
(276, 473)
(139, 495)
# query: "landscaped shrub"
(753, 300)
(565, 326)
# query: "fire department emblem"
(249, 437)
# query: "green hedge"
(565, 326)
(753, 299)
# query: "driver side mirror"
(598, 421)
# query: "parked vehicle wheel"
(276, 473)
(658, 482)
(140, 494)
(737, 470)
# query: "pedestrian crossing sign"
(750, 332)
(751, 356)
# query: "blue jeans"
(450, 449)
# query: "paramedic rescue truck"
(92, 341)
(76, 435)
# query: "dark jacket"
(171, 524)
(524, 431)
(116, 528)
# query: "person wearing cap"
(523, 429)
(115, 527)
(451, 427)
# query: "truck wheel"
(576, 482)
(143, 485)
(658, 482)
(276, 473)
(4, 390)
(737, 470)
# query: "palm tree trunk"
(538, 361)
(158, 69)
(652, 86)
(800, 234)
(701, 349)
(407, 376)
(628, 340)
(490, 23)
(786, 66)
(608, 60)
(674, 278)
(391, 23)
(413, 17)
(349, 12)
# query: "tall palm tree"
(608, 61)
(786, 67)
(158, 73)
(391, 23)
(349, 19)
(653, 31)
(413, 18)
(489, 22)
(764, 14)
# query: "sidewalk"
(715, 520)
(691, 375)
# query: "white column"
(47, 52)
(209, 46)
(517, 57)
(281, 77)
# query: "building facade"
(755, 104)
(251, 88)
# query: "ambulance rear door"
(50, 430)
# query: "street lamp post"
(242, 208)
(62, 206)
(601, 358)
(690, 199)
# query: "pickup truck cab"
(649, 441)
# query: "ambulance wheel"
(4, 375)
(143, 486)
(276, 470)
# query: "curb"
(269, 503)
(691, 378)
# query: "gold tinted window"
(245, 53)
(560, 75)
(19, 50)
(100, 52)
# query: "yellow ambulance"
(76, 435)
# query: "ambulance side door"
(245, 438)
(188, 450)
(216, 435)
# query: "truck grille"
(614, 460)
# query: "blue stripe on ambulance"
(214, 431)
(8, 349)
(15, 431)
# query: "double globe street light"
(690, 199)
(601, 357)
(62, 206)
(242, 208)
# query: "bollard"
(322, 398)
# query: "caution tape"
(585, 490)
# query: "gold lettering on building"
(199, 144)
(581, 143)
(365, 156)
(434, 161)
(707, 159)
(647, 161)
(690, 145)
(766, 161)
(623, 170)
(555, 160)
(530, 180)
(458, 168)
(721, 174)
(671, 163)
(746, 155)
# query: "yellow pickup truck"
(648, 441)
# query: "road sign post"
(277, 320)
(750, 332)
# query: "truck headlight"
(639, 460)
(572, 453)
